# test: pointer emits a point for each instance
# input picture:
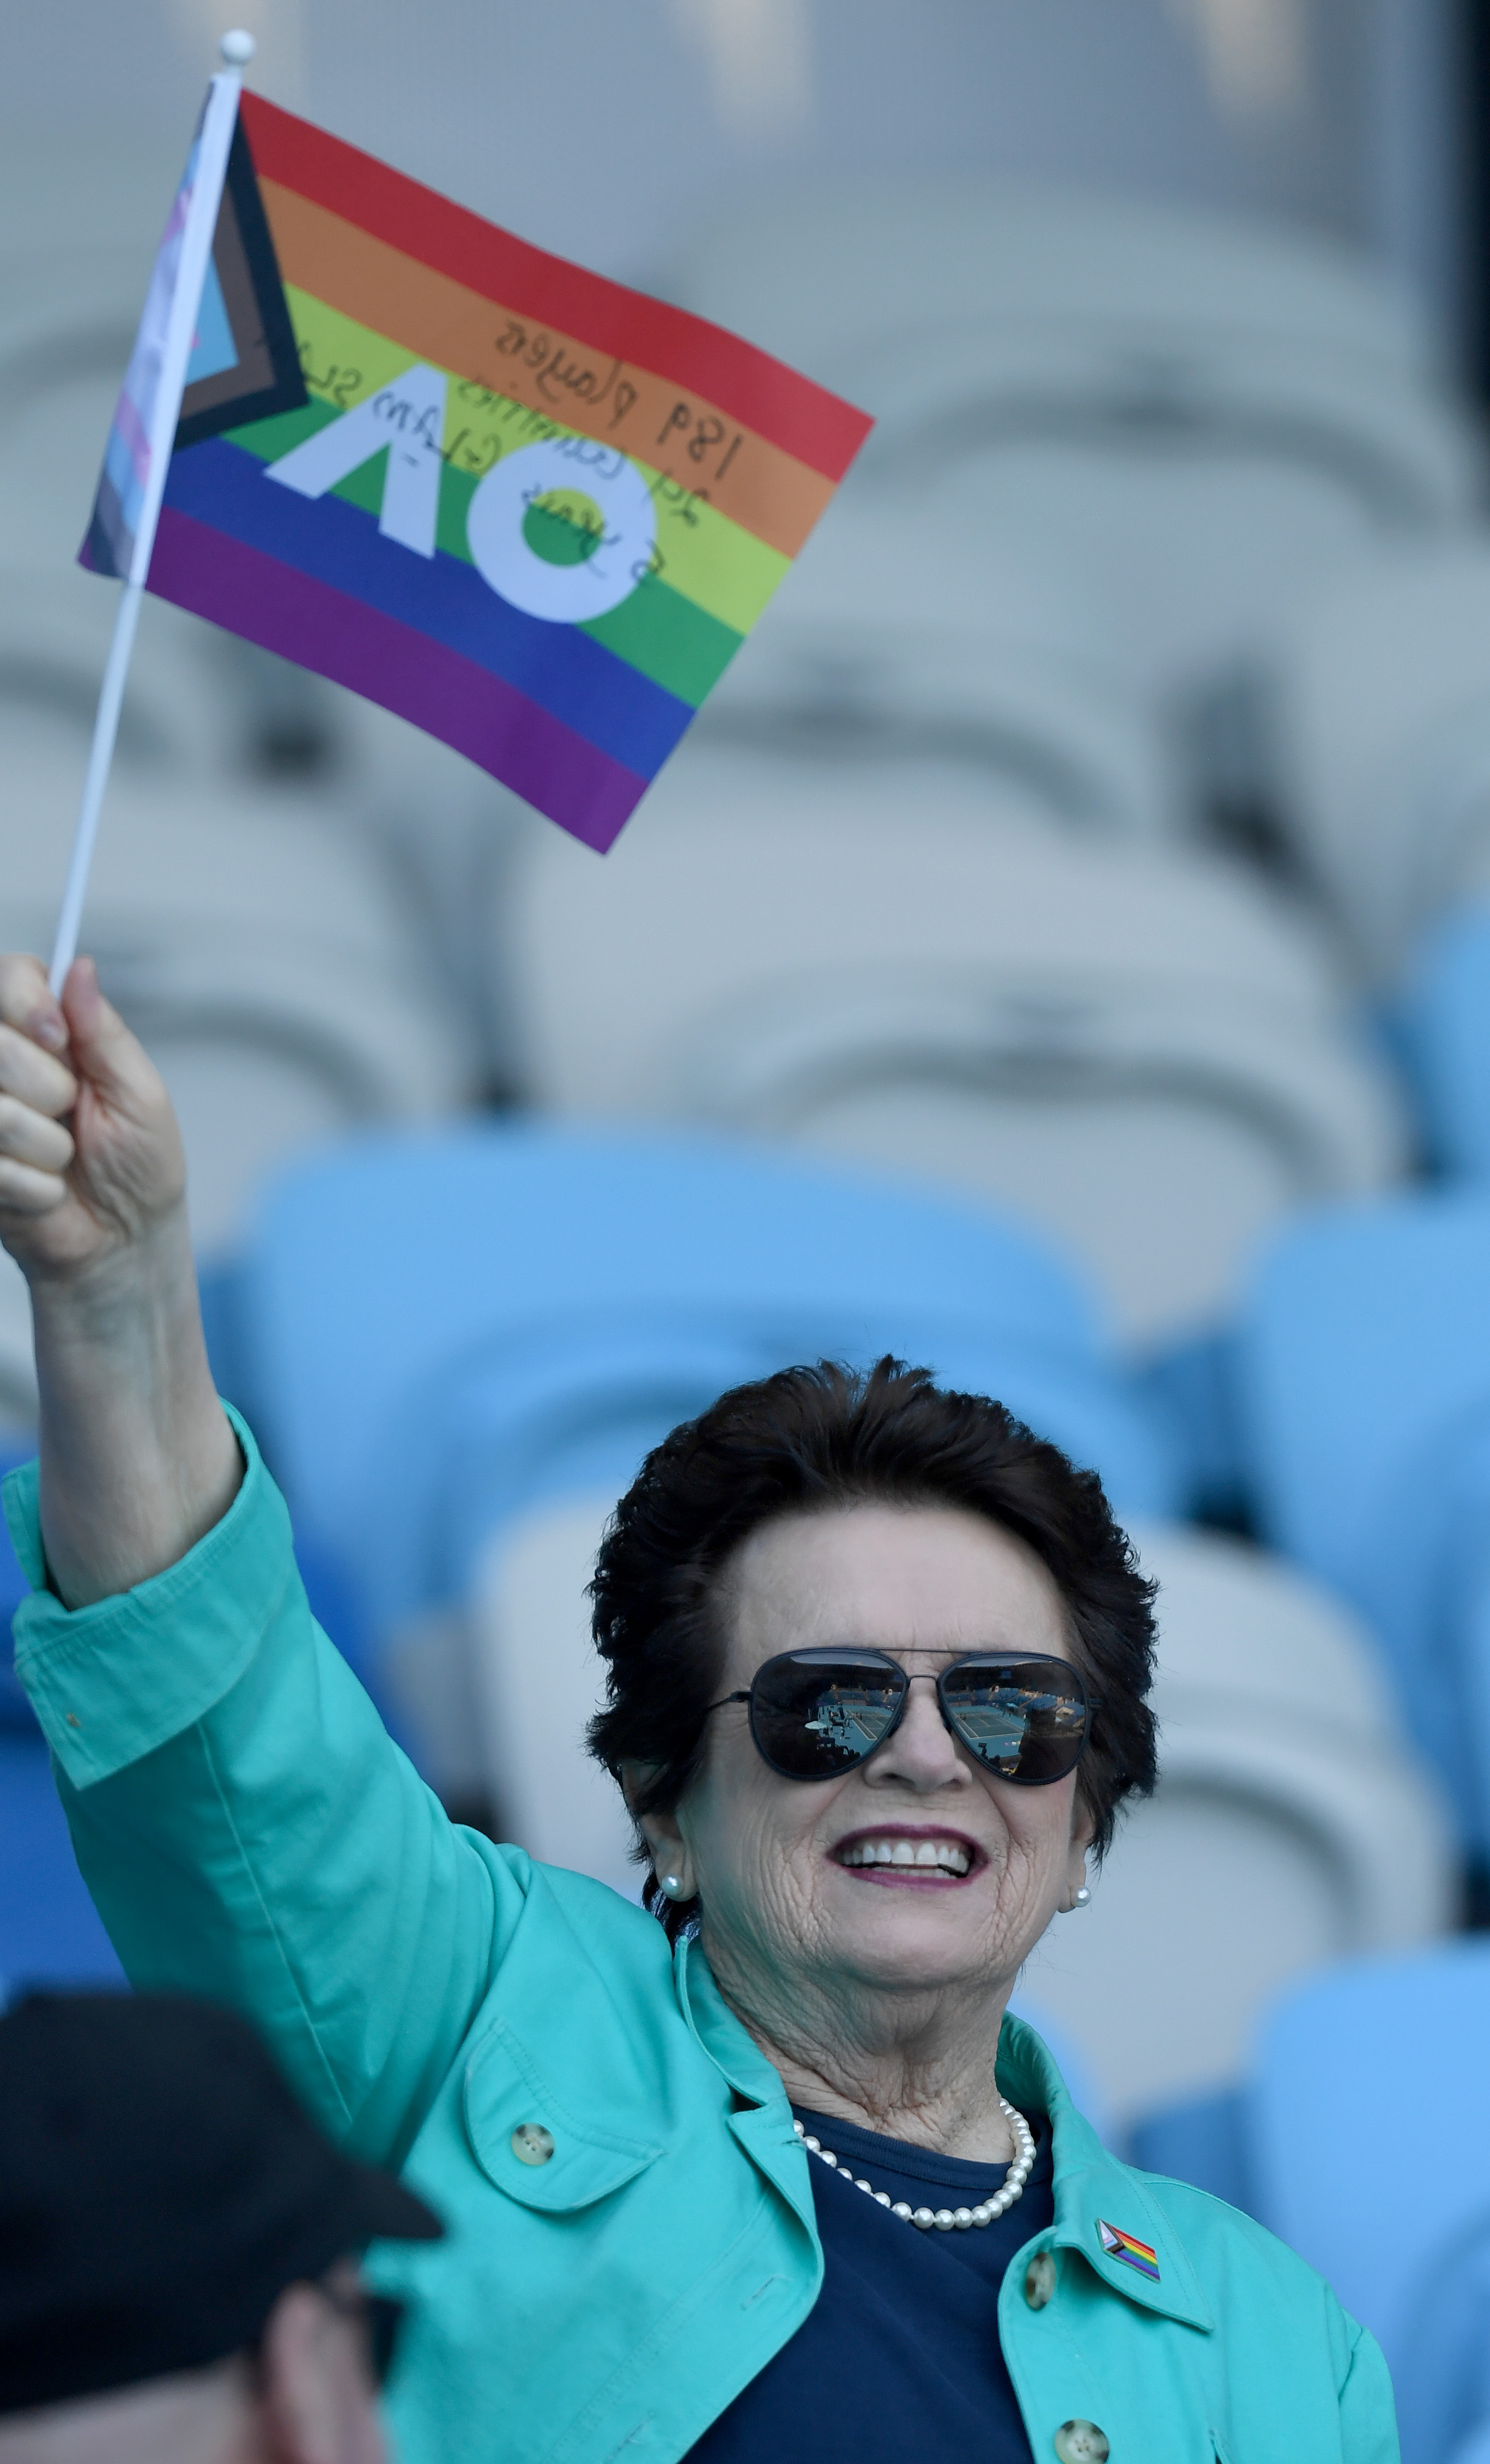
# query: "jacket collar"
(1093, 2188)
(764, 2128)
(724, 2038)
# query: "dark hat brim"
(379, 2209)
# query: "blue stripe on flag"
(213, 350)
(567, 672)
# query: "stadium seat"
(1363, 1357)
(446, 1329)
(1187, 419)
(49, 1931)
(258, 953)
(1136, 1048)
(1345, 2067)
(1442, 2377)
(810, 272)
(954, 681)
(1290, 1828)
(536, 1681)
(1443, 1021)
(1201, 2140)
(1380, 728)
(181, 719)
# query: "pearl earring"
(672, 1884)
(1082, 1900)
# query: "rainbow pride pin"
(1118, 2244)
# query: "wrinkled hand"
(91, 1158)
(137, 1458)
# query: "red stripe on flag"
(762, 393)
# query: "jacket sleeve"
(1368, 2408)
(247, 1829)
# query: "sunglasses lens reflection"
(1027, 1720)
(814, 1717)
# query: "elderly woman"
(775, 2175)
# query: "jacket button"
(1082, 2442)
(1040, 2280)
(533, 2144)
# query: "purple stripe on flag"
(318, 627)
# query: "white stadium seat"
(537, 1682)
(820, 680)
(1293, 1824)
(258, 951)
(1136, 1047)
(1177, 419)
(182, 716)
(1381, 726)
(810, 274)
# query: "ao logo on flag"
(407, 421)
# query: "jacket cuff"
(112, 1681)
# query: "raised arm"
(246, 1827)
(138, 1459)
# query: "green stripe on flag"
(724, 568)
(667, 637)
(670, 639)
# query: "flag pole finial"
(237, 47)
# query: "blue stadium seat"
(1363, 1377)
(446, 1328)
(1202, 2140)
(1368, 2147)
(1443, 2375)
(1444, 1029)
(49, 1931)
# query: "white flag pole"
(196, 246)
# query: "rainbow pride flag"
(1118, 2244)
(529, 510)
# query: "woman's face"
(792, 1914)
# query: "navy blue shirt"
(900, 2355)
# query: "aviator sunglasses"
(815, 1714)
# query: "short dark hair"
(829, 1436)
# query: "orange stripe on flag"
(750, 481)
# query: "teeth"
(932, 1856)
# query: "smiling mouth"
(899, 1857)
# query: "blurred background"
(1060, 954)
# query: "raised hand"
(90, 1155)
(138, 1459)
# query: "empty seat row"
(464, 1344)
(445, 1327)
(1138, 1048)
(1182, 420)
(258, 954)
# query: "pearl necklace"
(945, 2219)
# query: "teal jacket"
(250, 1832)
